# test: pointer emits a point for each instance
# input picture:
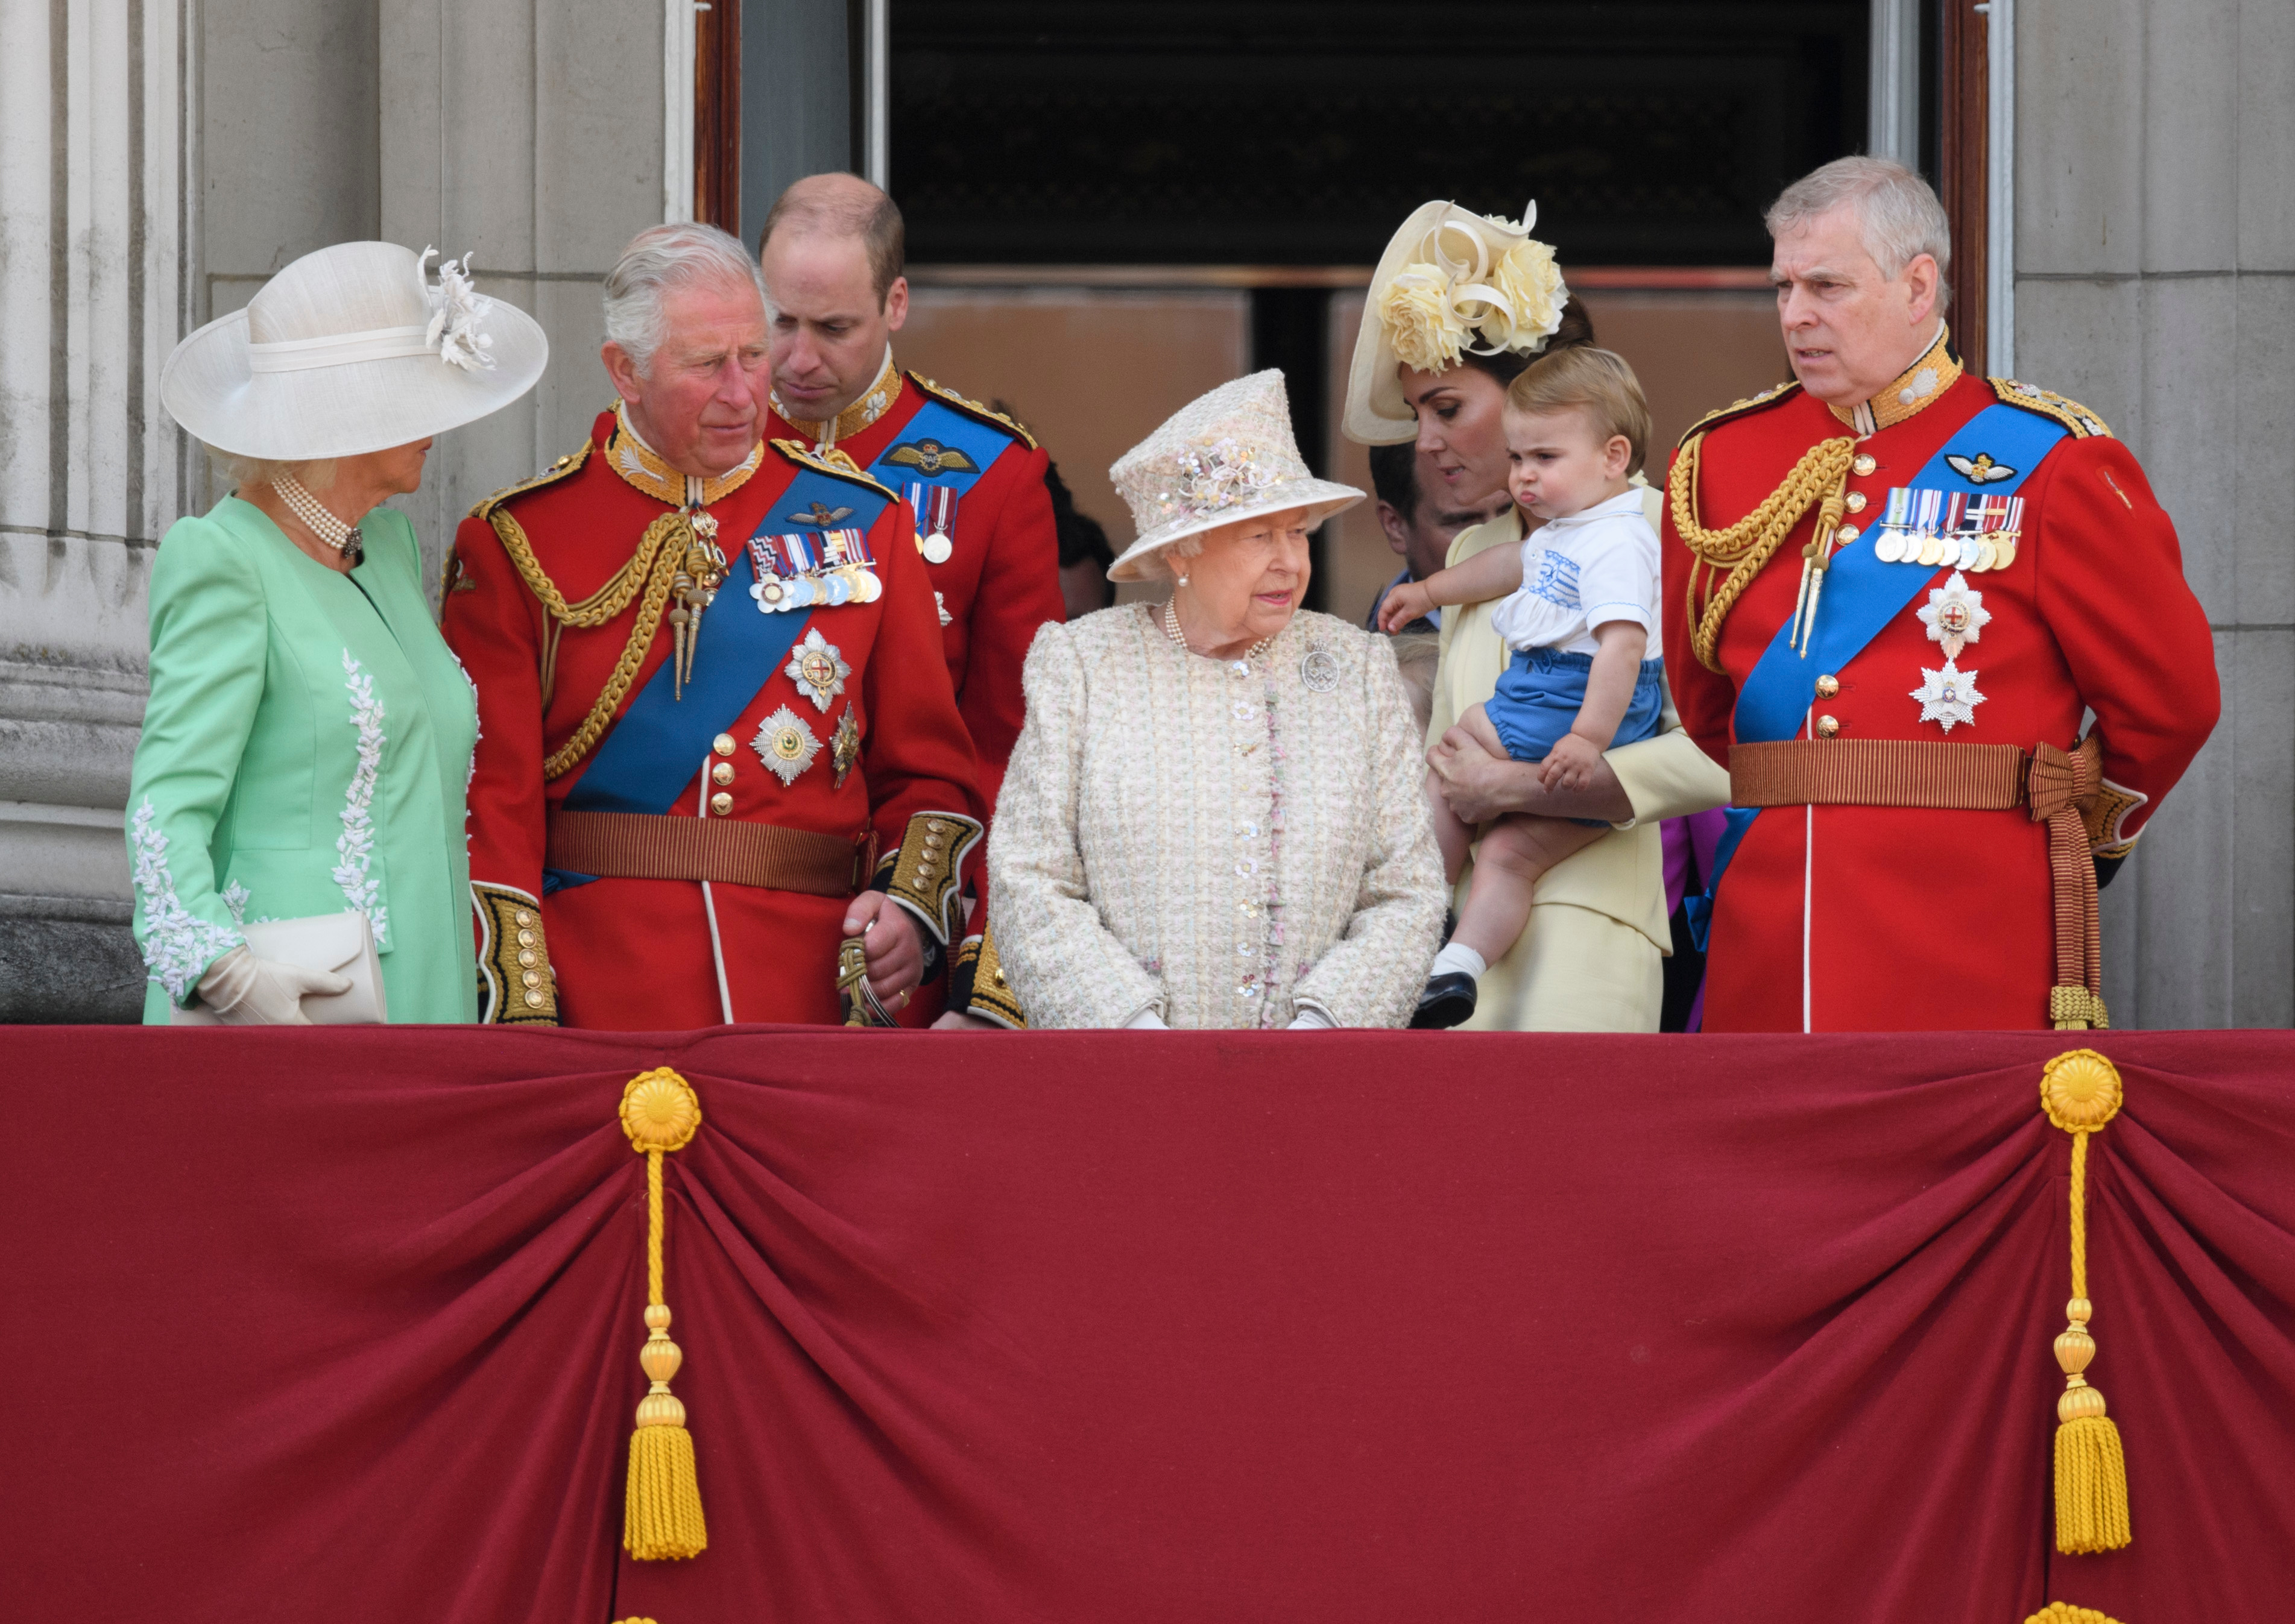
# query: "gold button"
(1827, 686)
(721, 773)
(1826, 727)
(532, 978)
(999, 978)
(1864, 463)
(528, 958)
(525, 938)
(1847, 533)
(932, 826)
(721, 803)
(522, 916)
(723, 744)
(931, 843)
(1856, 502)
(533, 999)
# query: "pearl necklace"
(1172, 630)
(342, 537)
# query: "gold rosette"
(2080, 1091)
(661, 1516)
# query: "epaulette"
(1749, 404)
(2083, 423)
(974, 409)
(800, 454)
(564, 468)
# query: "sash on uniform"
(659, 741)
(1862, 595)
(920, 455)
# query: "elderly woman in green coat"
(309, 738)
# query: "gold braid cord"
(661, 1516)
(1822, 474)
(2080, 1091)
(652, 569)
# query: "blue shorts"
(1542, 691)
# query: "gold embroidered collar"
(1909, 393)
(875, 401)
(638, 463)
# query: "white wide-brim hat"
(348, 350)
(1450, 282)
(1223, 457)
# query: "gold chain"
(1745, 546)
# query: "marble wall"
(2156, 282)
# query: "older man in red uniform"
(1902, 587)
(708, 755)
(972, 480)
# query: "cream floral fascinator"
(1225, 456)
(1451, 283)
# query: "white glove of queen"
(245, 990)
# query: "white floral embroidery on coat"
(235, 897)
(356, 845)
(177, 943)
(477, 732)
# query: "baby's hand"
(1407, 601)
(1570, 764)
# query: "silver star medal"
(785, 745)
(1956, 615)
(1948, 696)
(818, 669)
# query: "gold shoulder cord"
(1745, 547)
(651, 569)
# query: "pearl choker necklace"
(1172, 630)
(342, 537)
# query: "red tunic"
(1833, 918)
(999, 584)
(638, 954)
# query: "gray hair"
(241, 472)
(1899, 212)
(657, 259)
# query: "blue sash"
(660, 741)
(1862, 595)
(949, 429)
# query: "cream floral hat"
(1225, 456)
(350, 349)
(1451, 281)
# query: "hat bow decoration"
(1474, 277)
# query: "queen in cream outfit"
(1213, 816)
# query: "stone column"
(2155, 281)
(97, 285)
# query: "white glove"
(1311, 1017)
(1147, 1020)
(245, 990)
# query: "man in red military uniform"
(1902, 586)
(971, 478)
(705, 763)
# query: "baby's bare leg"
(1514, 854)
(1453, 837)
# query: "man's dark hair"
(1081, 536)
(845, 205)
(1394, 475)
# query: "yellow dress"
(1590, 960)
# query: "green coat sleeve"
(209, 646)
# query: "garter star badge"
(785, 745)
(1948, 696)
(818, 669)
(1956, 615)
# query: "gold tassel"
(662, 1514)
(2081, 1091)
(2054, 1612)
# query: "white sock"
(1458, 958)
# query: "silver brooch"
(1319, 669)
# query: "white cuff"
(1311, 1017)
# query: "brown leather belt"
(2054, 784)
(640, 846)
